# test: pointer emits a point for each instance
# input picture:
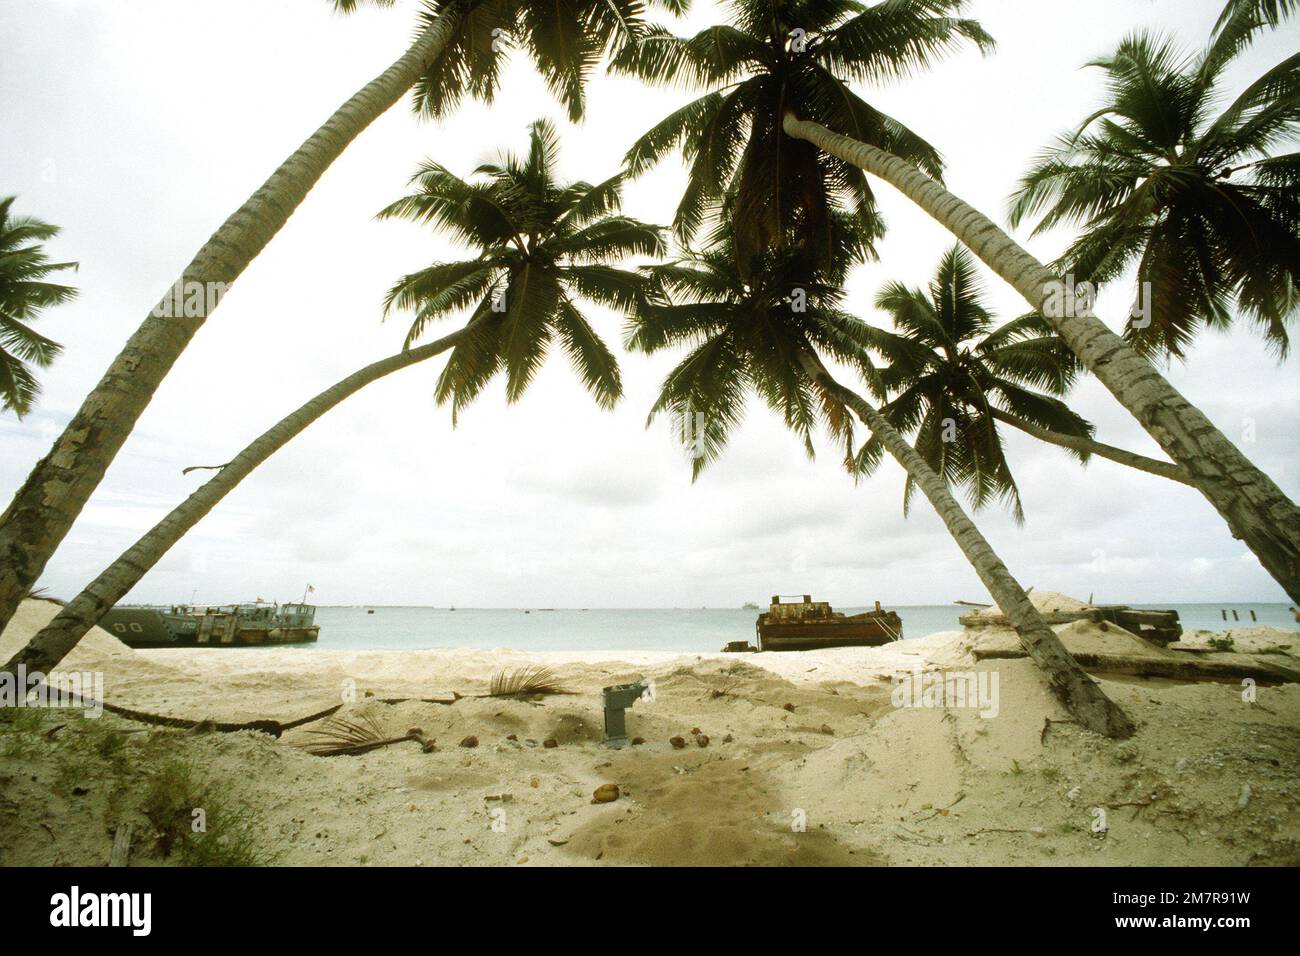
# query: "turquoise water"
(685, 630)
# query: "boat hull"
(147, 627)
(862, 631)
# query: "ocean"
(695, 630)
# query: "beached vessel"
(808, 624)
(1158, 627)
(184, 625)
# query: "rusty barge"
(806, 624)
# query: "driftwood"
(273, 727)
(121, 846)
(1156, 627)
(977, 620)
(1191, 668)
(526, 681)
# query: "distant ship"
(749, 606)
(185, 625)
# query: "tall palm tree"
(542, 246)
(1160, 177)
(765, 329)
(955, 375)
(458, 50)
(24, 294)
(773, 57)
(1252, 505)
(1249, 501)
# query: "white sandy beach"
(809, 737)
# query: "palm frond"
(1195, 200)
(25, 294)
(527, 681)
(356, 734)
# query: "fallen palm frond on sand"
(339, 736)
(525, 682)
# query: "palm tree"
(1252, 505)
(541, 243)
(765, 329)
(743, 330)
(955, 375)
(1250, 502)
(24, 294)
(776, 56)
(1156, 177)
(458, 50)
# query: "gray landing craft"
(226, 625)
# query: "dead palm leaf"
(525, 682)
(43, 594)
(357, 735)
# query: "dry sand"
(809, 737)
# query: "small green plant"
(231, 838)
(1016, 769)
(170, 797)
(20, 729)
(21, 720)
(199, 821)
(1222, 643)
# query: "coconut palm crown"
(24, 294)
(566, 40)
(777, 56)
(744, 332)
(1194, 194)
(953, 371)
(541, 243)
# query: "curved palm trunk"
(1255, 508)
(47, 504)
(1152, 466)
(61, 635)
(1072, 685)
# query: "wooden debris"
(121, 846)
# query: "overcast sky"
(139, 126)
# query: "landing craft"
(186, 625)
